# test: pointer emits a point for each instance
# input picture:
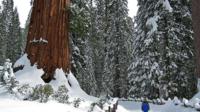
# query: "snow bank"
(72, 85)
(60, 80)
(76, 90)
(32, 76)
(23, 61)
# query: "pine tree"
(164, 48)
(184, 52)
(2, 40)
(6, 18)
(7, 78)
(11, 34)
(82, 62)
(98, 45)
(116, 52)
(14, 39)
(61, 95)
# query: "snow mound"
(76, 90)
(60, 79)
(197, 106)
(32, 76)
(72, 85)
(176, 101)
(23, 61)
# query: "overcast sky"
(132, 5)
(23, 7)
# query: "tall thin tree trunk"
(48, 40)
(196, 27)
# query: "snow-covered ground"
(7, 105)
(131, 106)
(128, 106)
(32, 76)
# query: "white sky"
(132, 5)
(23, 7)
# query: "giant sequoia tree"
(196, 26)
(48, 42)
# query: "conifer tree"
(2, 40)
(14, 39)
(82, 61)
(6, 18)
(11, 32)
(116, 34)
(164, 48)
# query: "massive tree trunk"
(48, 40)
(196, 27)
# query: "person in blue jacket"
(145, 106)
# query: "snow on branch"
(167, 5)
(41, 40)
(152, 23)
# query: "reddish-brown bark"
(49, 21)
(196, 27)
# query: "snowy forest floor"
(11, 103)
(130, 106)
(8, 105)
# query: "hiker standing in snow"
(145, 106)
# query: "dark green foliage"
(14, 39)
(42, 92)
(77, 102)
(92, 107)
(82, 62)
(101, 102)
(25, 90)
(163, 63)
(100, 34)
(79, 18)
(10, 32)
(61, 95)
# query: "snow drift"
(32, 76)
